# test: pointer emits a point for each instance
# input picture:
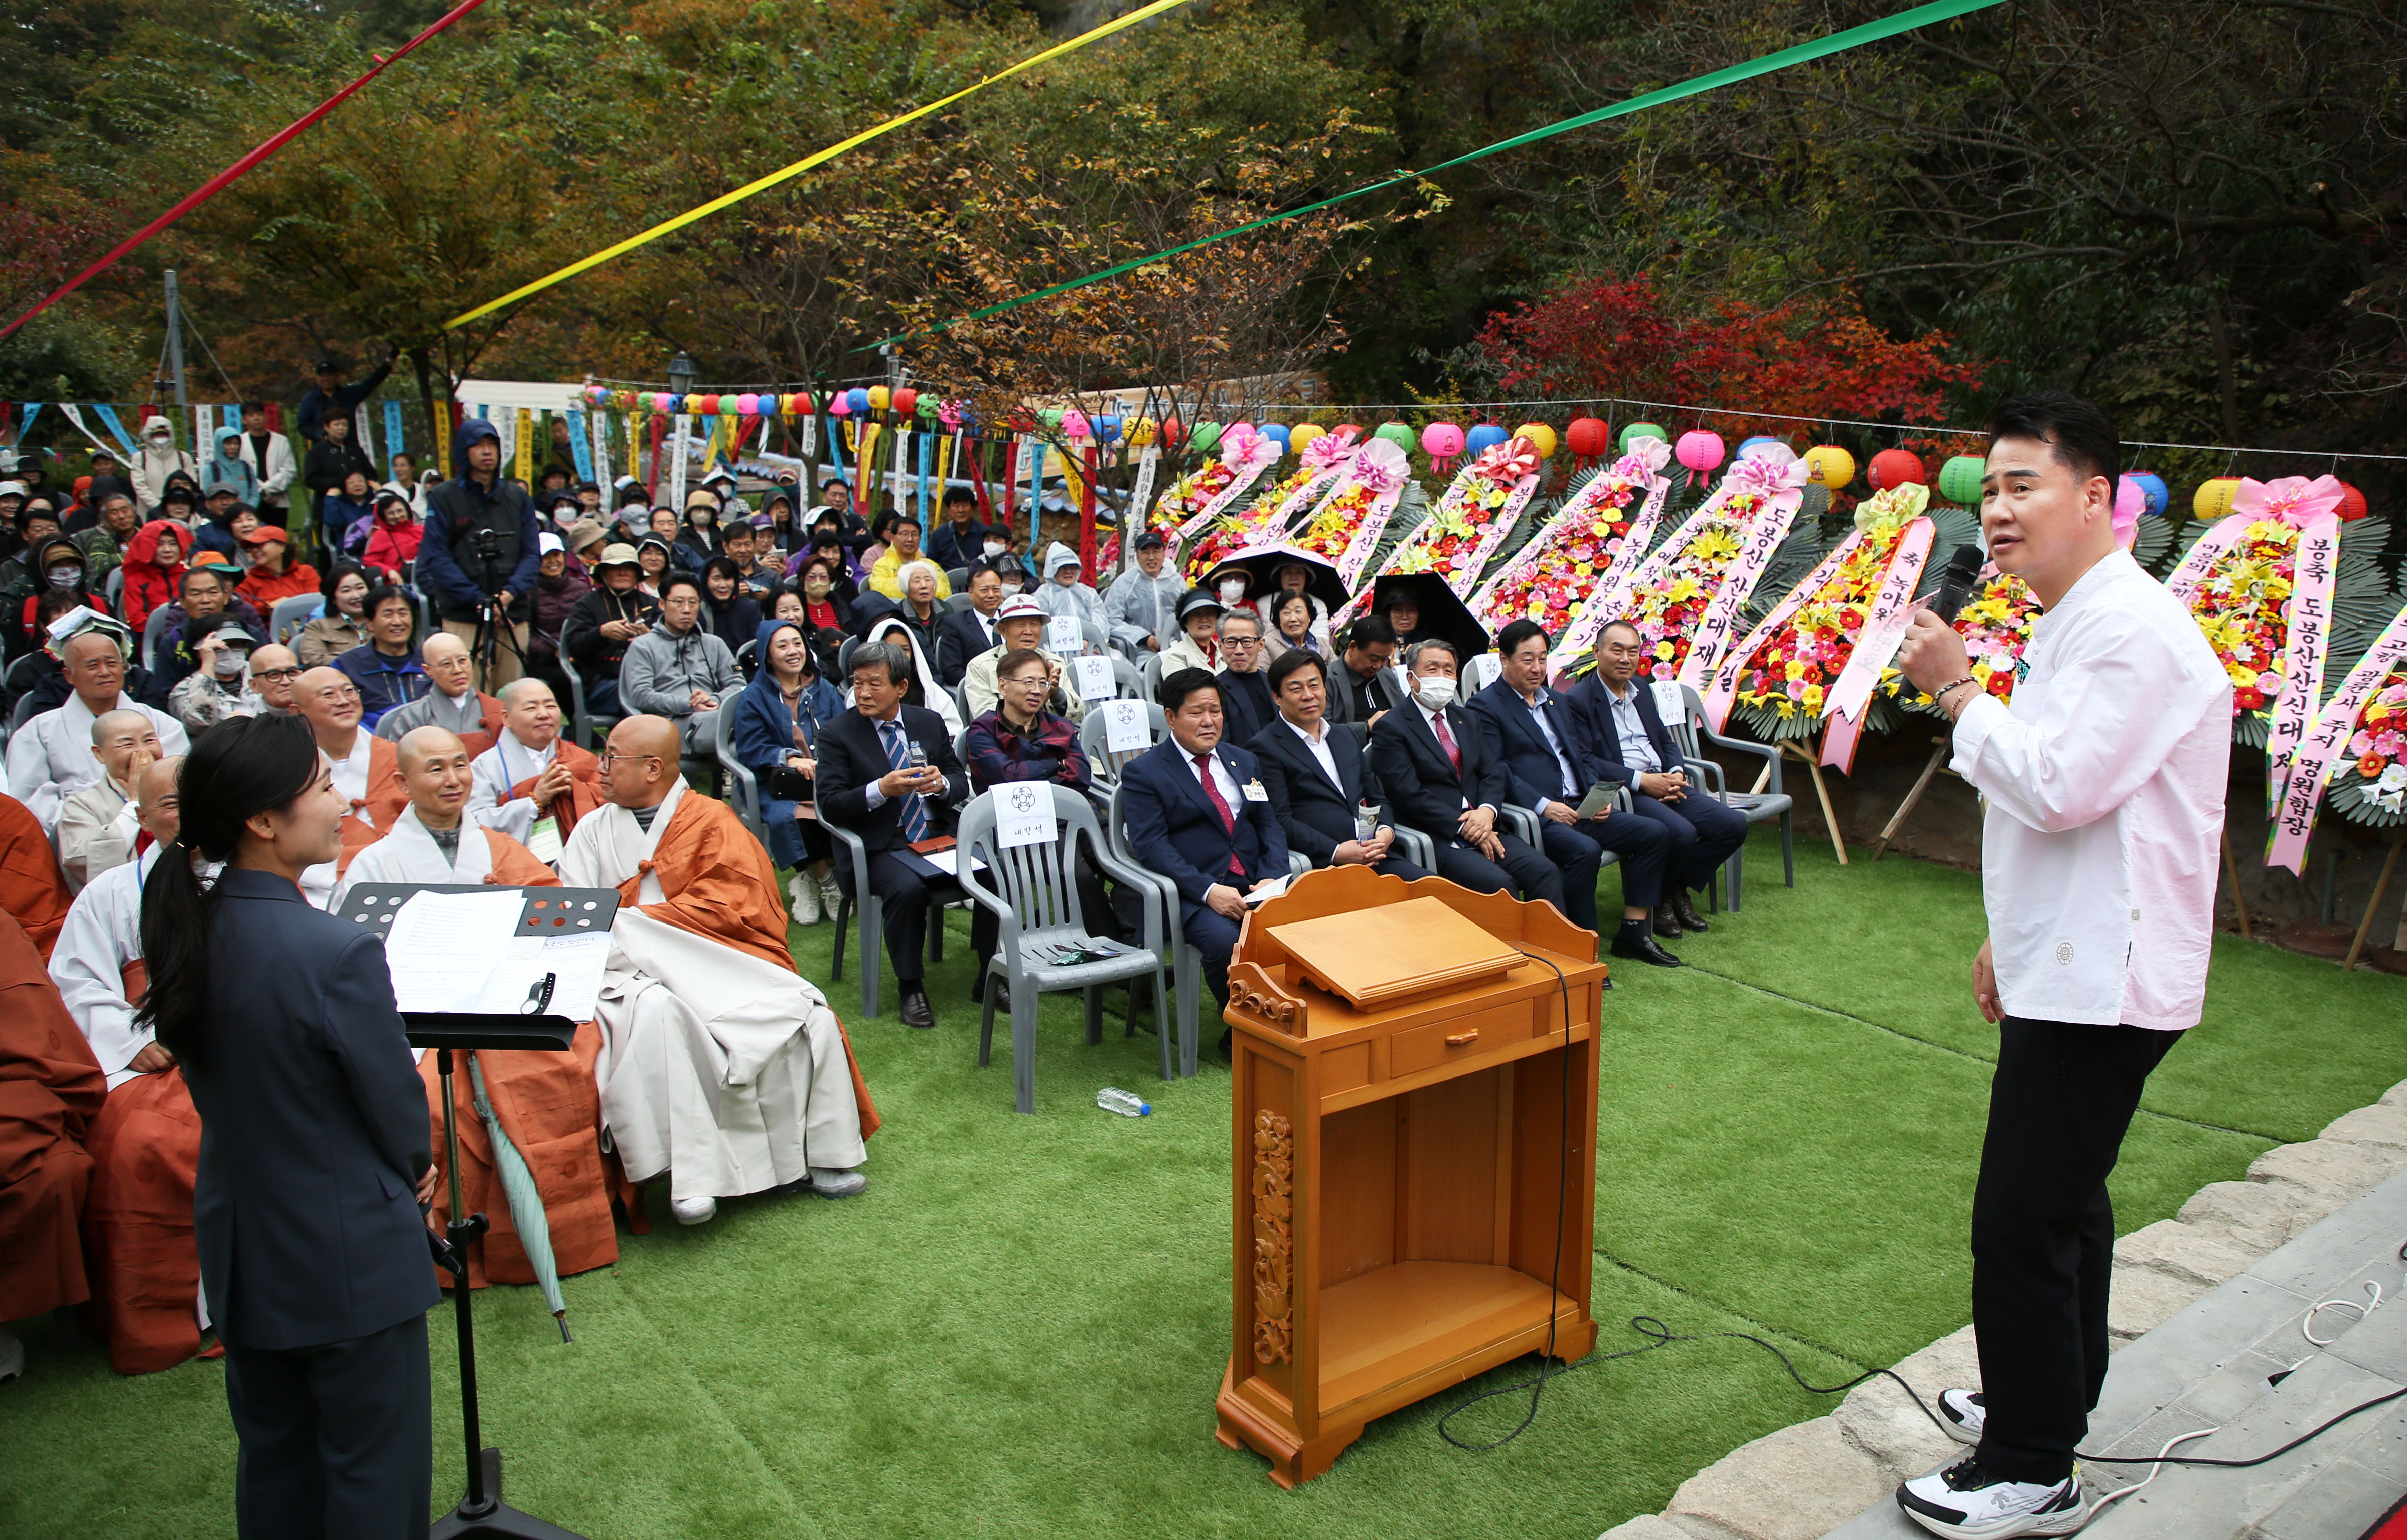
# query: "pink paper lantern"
(1441, 441)
(839, 405)
(747, 405)
(1700, 450)
(1074, 425)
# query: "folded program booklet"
(1599, 798)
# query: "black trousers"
(2043, 1233)
(337, 1441)
(1703, 832)
(1525, 872)
(905, 894)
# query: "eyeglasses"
(1232, 643)
(339, 692)
(279, 675)
(1028, 679)
(610, 758)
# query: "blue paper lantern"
(1484, 437)
(1107, 430)
(1277, 433)
(1749, 447)
(857, 399)
(2159, 496)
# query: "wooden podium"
(1398, 1163)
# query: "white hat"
(547, 543)
(1021, 604)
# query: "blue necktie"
(915, 813)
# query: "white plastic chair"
(1032, 891)
(1102, 763)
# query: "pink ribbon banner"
(2314, 565)
(1642, 468)
(1785, 486)
(1382, 468)
(1251, 457)
(1490, 468)
(1723, 690)
(1884, 630)
(2326, 740)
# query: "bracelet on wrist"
(1939, 696)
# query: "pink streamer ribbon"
(1507, 462)
(1883, 627)
(1581, 632)
(2314, 567)
(1723, 690)
(1763, 537)
(2326, 740)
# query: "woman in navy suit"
(314, 1170)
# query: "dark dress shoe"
(1644, 948)
(1684, 909)
(1664, 922)
(1001, 988)
(915, 1012)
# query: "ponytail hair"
(236, 770)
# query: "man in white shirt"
(50, 758)
(2104, 787)
(98, 824)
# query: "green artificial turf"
(1020, 1328)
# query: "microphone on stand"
(1956, 582)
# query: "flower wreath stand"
(1204, 494)
(1604, 529)
(1470, 522)
(2353, 756)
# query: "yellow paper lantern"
(1140, 433)
(1301, 434)
(2213, 499)
(1829, 467)
(878, 398)
(1540, 436)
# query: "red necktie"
(1445, 740)
(1212, 789)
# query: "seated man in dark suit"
(1245, 690)
(1440, 780)
(868, 784)
(1549, 765)
(1317, 775)
(967, 633)
(1361, 687)
(1633, 748)
(1197, 813)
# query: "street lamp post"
(682, 375)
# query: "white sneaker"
(694, 1210)
(12, 1356)
(805, 896)
(831, 896)
(1963, 1502)
(1962, 1414)
(837, 1184)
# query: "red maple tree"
(1604, 337)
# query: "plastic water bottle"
(1113, 1099)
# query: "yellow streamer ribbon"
(525, 467)
(726, 200)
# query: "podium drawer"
(1459, 1040)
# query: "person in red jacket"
(394, 544)
(154, 568)
(273, 574)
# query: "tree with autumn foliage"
(1606, 338)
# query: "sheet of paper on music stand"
(1124, 729)
(575, 965)
(1062, 634)
(443, 946)
(1023, 814)
(1092, 676)
(1670, 704)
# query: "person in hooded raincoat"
(228, 468)
(159, 459)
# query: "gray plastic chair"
(743, 787)
(291, 615)
(1187, 962)
(1759, 806)
(1103, 764)
(152, 629)
(114, 588)
(1128, 681)
(1031, 890)
(870, 911)
(1149, 676)
(1099, 639)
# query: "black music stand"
(546, 912)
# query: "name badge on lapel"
(1254, 791)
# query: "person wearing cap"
(50, 758)
(959, 539)
(585, 539)
(270, 457)
(601, 625)
(1065, 591)
(781, 535)
(965, 633)
(204, 595)
(451, 702)
(559, 583)
(329, 400)
(1141, 606)
(1198, 643)
(697, 531)
(58, 564)
(213, 689)
(21, 577)
(1019, 626)
(480, 557)
(96, 826)
(273, 574)
(158, 459)
(393, 543)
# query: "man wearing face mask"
(215, 688)
(159, 459)
(960, 539)
(1141, 606)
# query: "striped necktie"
(915, 812)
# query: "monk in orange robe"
(50, 1090)
(32, 886)
(546, 1102)
(365, 770)
(721, 1064)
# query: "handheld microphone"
(1956, 582)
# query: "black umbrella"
(1442, 613)
(1260, 564)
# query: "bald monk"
(454, 702)
(366, 772)
(96, 827)
(32, 886)
(50, 1090)
(532, 773)
(50, 758)
(145, 1144)
(546, 1102)
(722, 1067)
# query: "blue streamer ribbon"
(580, 444)
(109, 419)
(392, 438)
